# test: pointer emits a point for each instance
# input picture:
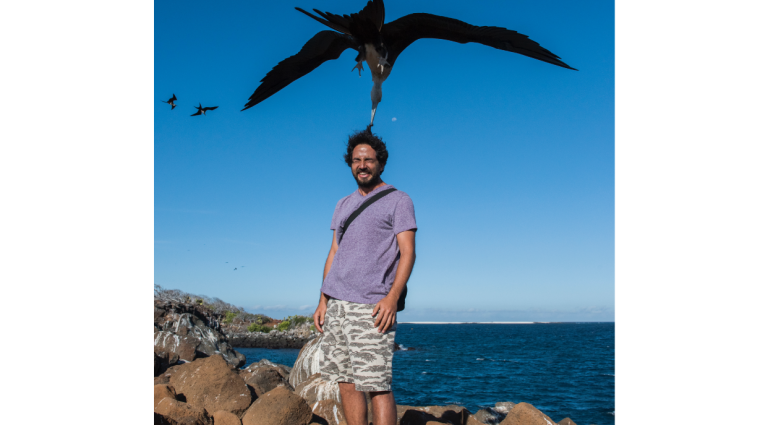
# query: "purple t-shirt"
(364, 266)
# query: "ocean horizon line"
(478, 323)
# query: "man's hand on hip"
(387, 314)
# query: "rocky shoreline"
(292, 338)
(198, 380)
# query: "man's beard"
(373, 181)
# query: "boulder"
(330, 411)
(452, 414)
(163, 391)
(177, 412)
(490, 416)
(278, 407)
(155, 365)
(307, 363)
(566, 421)
(160, 420)
(185, 347)
(525, 414)
(210, 383)
(504, 407)
(264, 379)
(264, 362)
(222, 417)
(472, 420)
(163, 361)
(191, 331)
(315, 389)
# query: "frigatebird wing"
(400, 33)
(324, 46)
(172, 106)
(210, 108)
(173, 98)
(199, 112)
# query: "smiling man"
(371, 258)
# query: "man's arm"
(322, 305)
(387, 307)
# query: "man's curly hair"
(365, 137)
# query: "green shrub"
(312, 328)
(257, 327)
(229, 316)
(284, 325)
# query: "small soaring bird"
(170, 102)
(201, 110)
(379, 45)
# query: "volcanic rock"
(490, 416)
(177, 412)
(525, 414)
(160, 420)
(184, 347)
(163, 361)
(504, 407)
(278, 407)
(410, 415)
(222, 417)
(315, 388)
(264, 378)
(191, 331)
(307, 363)
(210, 383)
(163, 391)
(472, 420)
(330, 411)
(566, 421)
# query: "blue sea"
(563, 369)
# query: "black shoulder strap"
(360, 209)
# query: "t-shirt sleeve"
(404, 217)
(335, 219)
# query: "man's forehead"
(363, 150)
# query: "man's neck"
(366, 190)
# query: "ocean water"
(563, 369)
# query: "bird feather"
(401, 32)
(324, 46)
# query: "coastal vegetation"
(233, 317)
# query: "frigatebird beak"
(373, 111)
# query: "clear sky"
(509, 160)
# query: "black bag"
(353, 216)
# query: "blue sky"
(509, 160)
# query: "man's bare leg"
(384, 408)
(354, 404)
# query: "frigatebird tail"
(324, 46)
(173, 98)
(329, 24)
(366, 23)
(172, 106)
(401, 32)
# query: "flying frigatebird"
(201, 110)
(379, 45)
(170, 102)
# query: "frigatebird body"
(170, 101)
(379, 45)
(201, 110)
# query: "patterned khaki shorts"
(353, 350)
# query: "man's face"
(365, 167)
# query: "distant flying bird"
(235, 269)
(201, 110)
(380, 44)
(170, 101)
